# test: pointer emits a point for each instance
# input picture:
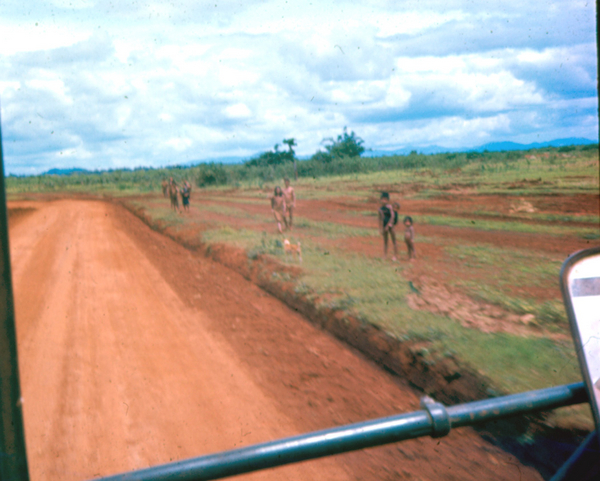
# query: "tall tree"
(291, 143)
(346, 145)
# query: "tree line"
(341, 156)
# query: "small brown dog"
(293, 249)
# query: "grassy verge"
(375, 291)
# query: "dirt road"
(134, 352)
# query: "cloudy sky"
(109, 84)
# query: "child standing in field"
(185, 195)
(396, 207)
(387, 219)
(278, 207)
(290, 202)
(173, 194)
(409, 237)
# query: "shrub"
(346, 145)
(211, 175)
(566, 148)
(321, 156)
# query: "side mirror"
(580, 285)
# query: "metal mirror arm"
(584, 463)
(580, 286)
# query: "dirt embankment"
(17, 214)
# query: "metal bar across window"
(356, 436)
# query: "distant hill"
(217, 160)
(496, 146)
(490, 147)
(73, 170)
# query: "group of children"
(172, 190)
(388, 218)
(283, 204)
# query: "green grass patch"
(242, 238)
(543, 217)
(550, 314)
(231, 211)
(161, 215)
(330, 230)
(520, 266)
(521, 269)
(248, 198)
(517, 364)
(368, 288)
(375, 291)
(509, 226)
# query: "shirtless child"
(409, 237)
(173, 194)
(387, 218)
(185, 196)
(278, 207)
(290, 202)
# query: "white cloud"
(53, 86)
(76, 4)
(238, 111)
(9, 86)
(179, 144)
(413, 22)
(36, 36)
(396, 95)
(121, 84)
(450, 132)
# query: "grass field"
(491, 238)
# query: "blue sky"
(110, 84)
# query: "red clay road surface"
(134, 352)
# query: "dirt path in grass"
(134, 351)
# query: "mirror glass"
(583, 281)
